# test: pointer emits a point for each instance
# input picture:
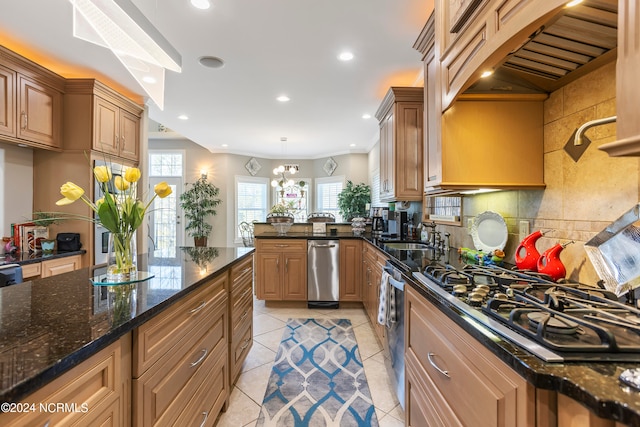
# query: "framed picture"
(460, 11)
(330, 166)
(253, 166)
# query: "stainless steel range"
(555, 321)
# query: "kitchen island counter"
(48, 326)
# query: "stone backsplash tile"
(592, 89)
(553, 107)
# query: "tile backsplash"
(581, 198)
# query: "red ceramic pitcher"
(527, 255)
(550, 264)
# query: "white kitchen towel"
(383, 307)
(391, 302)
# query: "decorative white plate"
(489, 231)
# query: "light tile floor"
(268, 323)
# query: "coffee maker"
(378, 222)
(402, 224)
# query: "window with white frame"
(375, 189)
(251, 200)
(327, 190)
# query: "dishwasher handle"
(313, 245)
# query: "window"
(165, 163)
(251, 201)
(375, 189)
(327, 190)
(296, 198)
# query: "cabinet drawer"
(31, 270)
(241, 314)
(481, 389)
(96, 383)
(241, 293)
(242, 273)
(60, 265)
(282, 245)
(168, 386)
(239, 350)
(157, 336)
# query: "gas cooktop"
(555, 321)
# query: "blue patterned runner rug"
(317, 379)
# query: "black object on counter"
(68, 242)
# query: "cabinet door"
(7, 102)
(106, 126)
(408, 170)
(60, 265)
(268, 276)
(433, 148)
(40, 109)
(295, 276)
(386, 158)
(129, 135)
(350, 270)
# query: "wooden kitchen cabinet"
(350, 270)
(281, 269)
(401, 125)
(451, 379)
(98, 389)
(57, 266)
(240, 316)
(373, 263)
(100, 119)
(481, 141)
(180, 360)
(31, 103)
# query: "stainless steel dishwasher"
(323, 279)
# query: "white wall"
(16, 186)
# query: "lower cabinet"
(281, 269)
(373, 263)
(180, 369)
(240, 316)
(52, 267)
(451, 379)
(350, 270)
(96, 392)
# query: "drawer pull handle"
(197, 362)
(281, 246)
(246, 344)
(244, 315)
(198, 308)
(242, 273)
(439, 369)
(205, 414)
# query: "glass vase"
(122, 302)
(122, 258)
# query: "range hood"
(575, 41)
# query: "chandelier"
(284, 178)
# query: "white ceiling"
(270, 47)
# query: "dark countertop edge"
(31, 385)
(520, 361)
(309, 236)
(42, 257)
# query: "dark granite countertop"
(48, 326)
(23, 258)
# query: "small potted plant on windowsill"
(199, 202)
(353, 199)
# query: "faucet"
(447, 244)
(577, 140)
(431, 236)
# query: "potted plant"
(352, 200)
(199, 202)
(281, 212)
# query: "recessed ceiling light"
(283, 98)
(225, 145)
(366, 116)
(345, 56)
(183, 117)
(352, 145)
(211, 62)
(201, 4)
(149, 79)
(573, 3)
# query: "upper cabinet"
(98, 118)
(627, 88)
(31, 102)
(401, 141)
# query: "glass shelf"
(101, 280)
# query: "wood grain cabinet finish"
(453, 380)
(401, 125)
(350, 270)
(180, 360)
(99, 388)
(240, 315)
(281, 269)
(31, 103)
(100, 119)
(57, 266)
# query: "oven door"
(101, 248)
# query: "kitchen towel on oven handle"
(387, 307)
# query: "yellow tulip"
(71, 193)
(162, 189)
(99, 202)
(132, 174)
(121, 183)
(102, 173)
